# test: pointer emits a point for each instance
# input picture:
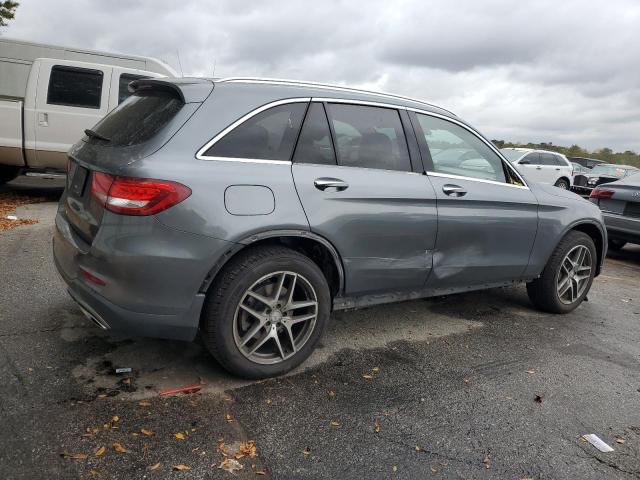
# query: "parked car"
(609, 172)
(620, 205)
(586, 162)
(49, 95)
(580, 176)
(541, 166)
(250, 209)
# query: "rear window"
(137, 119)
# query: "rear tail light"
(136, 196)
(601, 193)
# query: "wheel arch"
(314, 246)
(596, 234)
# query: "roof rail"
(326, 86)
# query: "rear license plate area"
(78, 180)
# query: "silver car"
(249, 209)
(620, 205)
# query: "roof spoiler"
(189, 90)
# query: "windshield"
(511, 154)
(609, 170)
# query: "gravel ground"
(452, 395)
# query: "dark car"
(609, 172)
(620, 205)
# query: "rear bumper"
(152, 284)
(622, 227)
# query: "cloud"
(564, 72)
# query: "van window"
(75, 87)
(369, 137)
(123, 85)
(456, 151)
(269, 135)
(315, 145)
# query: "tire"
(225, 325)
(562, 183)
(8, 173)
(544, 291)
(615, 244)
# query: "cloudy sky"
(560, 71)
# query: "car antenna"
(179, 63)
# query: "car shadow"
(629, 254)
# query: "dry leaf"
(531, 371)
(335, 423)
(144, 403)
(228, 417)
(115, 418)
(148, 433)
(181, 467)
(620, 440)
(331, 393)
(487, 461)
(419, 448)
(268, 401)
(102, 395)
(260, 472)
(249, 449)
(367, 376)
(179, 436)
(375, 369)
(230, 465)
(119, 448)
(394, 468)
(100, 451)
(376, 426)
(155, 466)
(74, 456)
(466, 380)
(306, 452)
(94, 473)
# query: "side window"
(561, 162)
(269, 135)
(74, 87)
(123, 85)
(314, 144)
(548, 159)
(456, 151)
(532, 159)
(369, 137)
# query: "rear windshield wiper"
(91, 133)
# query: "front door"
(487, 217)
(363, 196)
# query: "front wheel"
(567, 277)
(562, 183)
(266, 312)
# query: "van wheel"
(562, 183)
(567, 277)
(615, 244)
(266, 312)
(8, 173)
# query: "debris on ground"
(123, 370)
(230, 465)
(188, 389)
(597, 442)
(9, 201)
(539, 398)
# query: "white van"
(49, 95)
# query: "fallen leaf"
(487, 461)
(230, 465)
(306, 452)
(367, 376)
(30, 370)
(144, 403)
(331, 393)
(419, 448)
(268, 401)
(228, 417)
(115, 418)
(119, 448)
(335, 423)
(155, 466)
(100, 451)
(466, 380)
(179, 436)
(539, 398)
(102, 395)
(620, 440)
(260, 472)
(394, 468)
(74, 456)
(375, 369)
(376, 426)
(148, 433)
(181, 467)
(94, 473)
(433, 470)
(249, 449)
(531, 371)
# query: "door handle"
(43, 119)
(538, 167)
(325, 182)
(454, 190)
(557, 169)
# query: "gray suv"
(249, 209)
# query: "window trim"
(200, 155)
(71, 68)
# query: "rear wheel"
(266, 312)
(8, 173)
(615, 244)
(562, 183)
(567, 277)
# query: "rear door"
(71, 96)
(531, 167)
(551, 168)
(487, 216)
(354, 175)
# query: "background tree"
(7, 11)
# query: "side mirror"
(524, 162)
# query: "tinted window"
(548, 159)
(75, 87)
(269, 135)
(314, 144)
(369, 137)
(532, 158)
(456, 151)
(123, 85)
(138, 118)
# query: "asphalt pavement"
(476, 385)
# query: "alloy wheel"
(574, 274)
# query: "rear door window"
(123, 85)
(315, 145)
(548, 159)
(75, 87)
(269, 135)
(532, 159)
(369, 137)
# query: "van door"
(71, 96)
(366, 200)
